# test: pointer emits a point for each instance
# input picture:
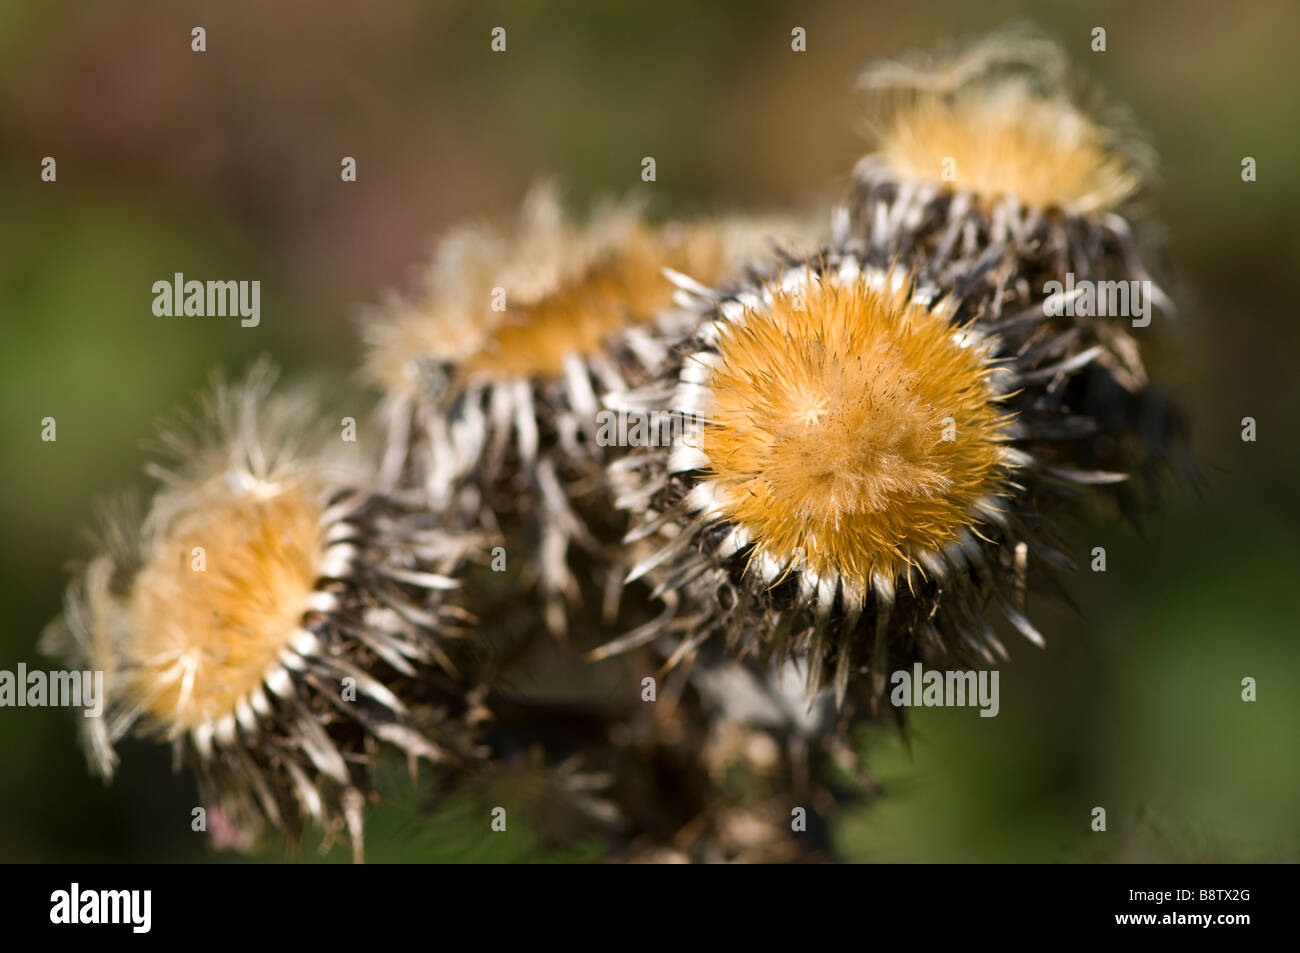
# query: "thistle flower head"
(550, 315)
(860, 470)
(503, 303)
(621, 285)
(198, 643)
(849, 430)
(264, 616)
(998, 119)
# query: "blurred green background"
(225, 164)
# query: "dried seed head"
(622, 285)
(500, 423)
(862, 467)
(200, 641)
(269, 618)
(1004, 139)
(502, 304)
(997, 119)
(988, 156)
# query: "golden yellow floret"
(222, 590)
(851, 431)
(624, 285)
(1003, 138)
(514, 303)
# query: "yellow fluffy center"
(850, 433)
(1008, 140)
(624, 286)
(221, 594)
